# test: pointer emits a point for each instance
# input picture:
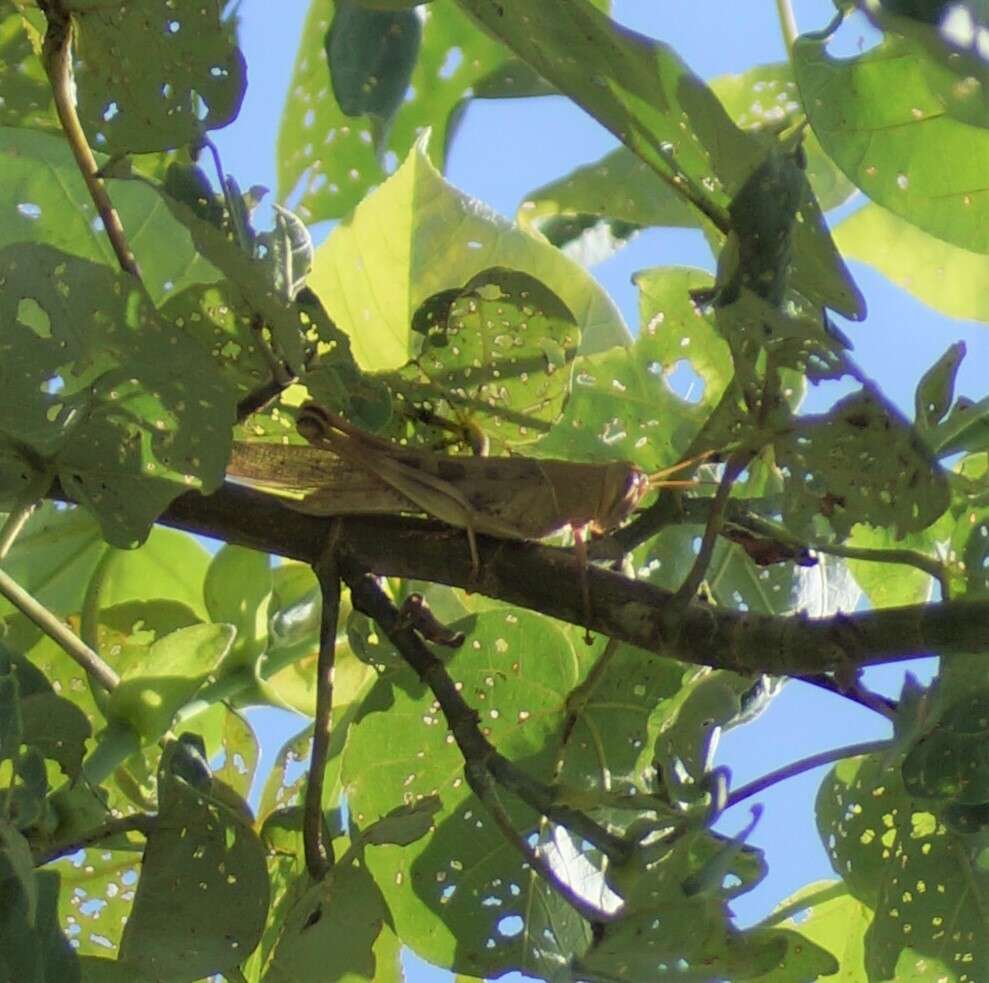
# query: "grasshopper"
(346, 471)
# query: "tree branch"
(541, 578)
(57, 58)
(478, 753)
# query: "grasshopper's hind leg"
(580, 552)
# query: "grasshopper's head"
(622, 490)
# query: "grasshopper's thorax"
(623, 488)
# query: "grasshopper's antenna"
(660, 479)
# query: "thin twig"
(319, 852)
(688, 589)
(483, 787)
(140, 823)
(54, 629)
(57, 58)
(788, 23)
(13, 525)
(462, 719)
(795, 768)
(857, 693)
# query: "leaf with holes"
(92, 377)
(155, 76)
(637, 87)
(44, 199)
(416, 236)
(951, 761)
(925, 882)
(692, 937)
(597, 207)
(334, 159)
(889, 119)
(501, 356)
(608, 743)
(936, 389)
(202, 899)
(241, 751)
(622, 405)
(462, 897)
(860, 462)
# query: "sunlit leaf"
(415, 236)
(948, 278)
(153, 688)
(889, 122)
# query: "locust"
(347, 471)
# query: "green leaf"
(27, 97)
(202, 899)
(936, 388)
(55, 556)
(951, 761)
(889, 584)
(946, 277)
(34, 948)
(453, 57)
(415, 236)
(241, 751)
(45, 200)
(330, 930)
(888, 119)
(237, 590)
(371, 55)
(94, 379)
(598, 206)
(57, 728)
(691, 937)
(637, 87)
(498, 356)
(621, 406)
(17, 870)
(153, 688)
(832, 919)
(97, 895)
(156, 76)
(404, 824)
(860, 462)
(900, 859)
(11, 722)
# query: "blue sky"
(504, 150)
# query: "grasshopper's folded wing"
(314, 480)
